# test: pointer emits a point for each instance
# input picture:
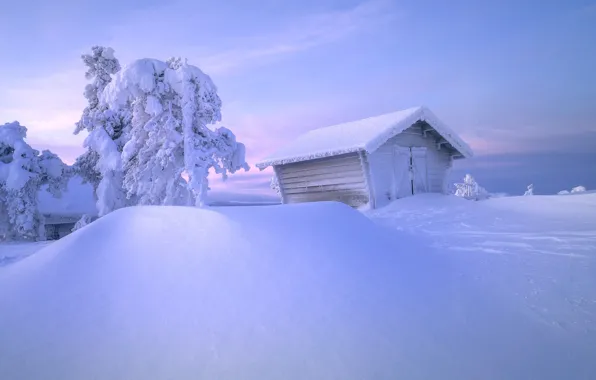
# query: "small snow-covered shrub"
(575, 190)
(530, 190)
(469, 189)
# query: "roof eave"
(262, 165)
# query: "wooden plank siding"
(339, 178)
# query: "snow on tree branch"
(530, 190)
(23, 171)
(148, 125)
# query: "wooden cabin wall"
(338, 178)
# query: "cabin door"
(418, 170)
(401, 172)
(409, 171)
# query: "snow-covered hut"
(368, 162)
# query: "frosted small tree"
(469, 189)
(530, 190)
(23, 172)
(275, 185)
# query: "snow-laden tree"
(275, 185)
(469, 189)
(100, 164)
(148, 131)
(171, 105)
(563, 192)
(23, 171)
(530, 190)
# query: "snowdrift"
(181, 293)
(309, 291)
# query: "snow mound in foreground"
(277, 292)
(309, 291)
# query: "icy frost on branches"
(530, 190)
(23, 171)
(169, 105)
(100, 165)
(469, 189)
(147, 128)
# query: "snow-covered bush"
(469, 189)
(275, 185)
(147, 128)
(530, 190)
(563, 192)
(23, 171)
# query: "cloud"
(302, 34)
(236, 39)
(48, 106)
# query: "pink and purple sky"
(515, 78)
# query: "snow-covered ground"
(14, 251)
(248, 198)
(537, 252)
(445, 289)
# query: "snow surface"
(247, 198)
(440, 288)
(537, 252)
(77, 200)
(367, 134)
(11, 252)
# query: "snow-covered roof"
(367, 135)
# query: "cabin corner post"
(367, 180)
(280, 184)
